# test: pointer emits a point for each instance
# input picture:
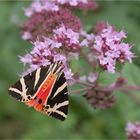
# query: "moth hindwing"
(45, 89)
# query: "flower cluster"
(133, 131)
(58, 35)
(110, 48)
(43, 23)
(55, 5)
(81, 4)
(100, 99)
(70, 40)
(63, 43)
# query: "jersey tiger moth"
(45, 89)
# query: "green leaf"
(131, 72)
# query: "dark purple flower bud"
(99, 27)
(100, 99)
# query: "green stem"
(78, 90)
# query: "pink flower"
(100, 26)
(92, 77)
(81, 4)
(28, 12)
(88, 39)
(44, 53)
(26, 59)
(70, 40)
(41, 55)
(43, 23)
(61, 57)
(111, 48)
(133, 130)
(38, 6)
(68, 73)
(55, 5)
(26, 36)
(87, 5)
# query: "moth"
(45, 89)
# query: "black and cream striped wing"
(56, 100)
(26, 88)
(57, 103)
(28, 85)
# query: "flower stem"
(85, 84)
(78, 90)
(132, 96)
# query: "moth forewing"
(45, 89)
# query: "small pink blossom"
(88, 39)
(83, 78)
(71, 2)
(87, 5)
(92, 77)
(81, 4)
(28, 12)
(60, 57)
(68, 74)
(133, 130)
(70, 40)
(26, 59)
(38, 6)
(26, 36)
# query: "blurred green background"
(19, 121)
